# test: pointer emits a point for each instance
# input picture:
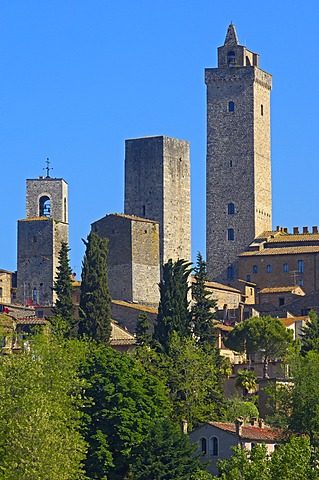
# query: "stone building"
(281, 259)
(7, 284)
(133, 258)
(238, 190)
(39, 239)
(157, 187)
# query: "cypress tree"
(142, 331)
(173, 312)
(64, 309)
(95, 310)
(203, 315)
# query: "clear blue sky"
(79, 77)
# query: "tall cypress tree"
(95, 310)
(64, 308)
(173, 312)
(203, 314)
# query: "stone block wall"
(56, 189)
(133, 258)
(157, 187)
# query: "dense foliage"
(95, 310)
(64, 309)
(173, 311)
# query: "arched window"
(247, 278)
(231, 107)
(213, 446)
(203, 445)
(45, 206)
(231, 209)
(230, 234)
(255, 268)
(230, 272)
(231, 58)
(286, 267)
(269, 268)
(301, 266)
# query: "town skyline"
(78, 82)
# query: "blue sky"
(79, 77)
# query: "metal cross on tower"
(48, 168)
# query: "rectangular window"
(301, 266)
(269, 268)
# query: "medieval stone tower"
(39, 239)
(238, 190)
(157, 187)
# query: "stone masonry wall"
(54, 188)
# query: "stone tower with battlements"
(39, 239)
(157, 187)
(238, 189)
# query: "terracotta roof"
(31, 321)
(218, 286)
(280, 289)
(299, 237)
(251, 433)
(281, 251)
(222, 326)
(119, 336)
(136, 306)
(291, 320)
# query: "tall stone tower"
(157, 187)
(39, 239)
(238, 190)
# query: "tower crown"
(231, 36)
(232, 54)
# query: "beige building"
(282, 259)
(6, 286)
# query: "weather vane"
(48, 168)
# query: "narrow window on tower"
(143, 210)
(255, 268)
(269, 268)
(301, 266)
(231, 235)
(261, 110)
(231, 107)
(286, 267)
(230, 163)
(230, 272)
(64, 210)
(231, 209)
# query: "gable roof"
(250, 432)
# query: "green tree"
(237, 407)
(165, 454)
(125, 402)
(142, 331)
(310, 334)
(246, 380)
(64, 309)
(40, 399)
(173, 311)
(266, 336)
(194, 381)
(203, 310)
(95, 310)
(245, 465)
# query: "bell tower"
(238, 170)
(39, 239)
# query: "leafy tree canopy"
(310, 334)
(264, 335)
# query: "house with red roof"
(215, 439)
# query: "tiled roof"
(279, 289)
(130, 217)
(281, 251)
(31, 321)
(218, 286)
(299, 237)
(222, 326)
(291, 320)
(119, 336)
(136, 306)
(37, 219)
(251, 433)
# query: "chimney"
(314, 229)
(285, 230)
(253, 421)
(261, 423)
(239, 426)
(296, 230)
(278, 228)
(305, 230)
(184, 427)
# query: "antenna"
(48, 168)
